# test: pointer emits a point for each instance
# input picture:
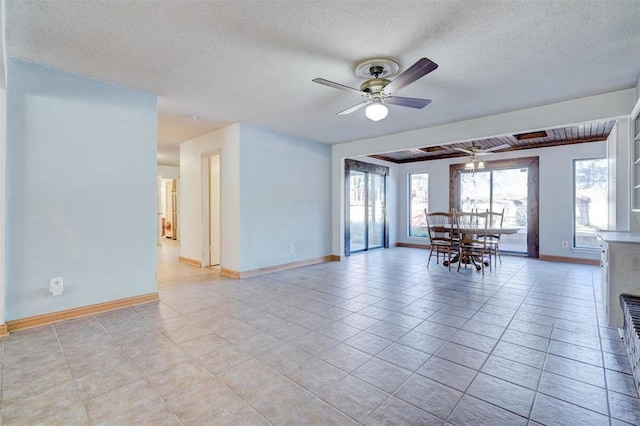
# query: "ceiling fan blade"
(421, 68)
(353, 108)
(339, 86)
(466, 151)
(497, 148)
(408, 102)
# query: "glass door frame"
(533, 197)
(367, 168)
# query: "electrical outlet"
(291, 248)
(565, 244)
(56, 286)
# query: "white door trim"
(206, 231)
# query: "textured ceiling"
(253, 61)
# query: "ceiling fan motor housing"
(375, 85)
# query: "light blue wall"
(81, 190)
(285, 198)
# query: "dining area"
(466, 238)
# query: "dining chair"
(440, 228)
(455, 213)
(493, 240)
(473, 248)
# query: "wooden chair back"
(472, 227)
(440, 226)
(495, 219)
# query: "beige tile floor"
(375, 339)
(172, 273)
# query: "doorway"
(366, 225)
(499, 190)
(168, 208)
(212, 206)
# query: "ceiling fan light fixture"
(376, 111)
(379, 87)
(470, 166)
(480, 165)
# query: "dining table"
(469, 232)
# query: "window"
(590, 201)
(419, 196)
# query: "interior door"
(214, 210)
(170, 224)
(174, 208)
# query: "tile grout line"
(491, 353)
(604, 367)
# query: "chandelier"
(474, 163)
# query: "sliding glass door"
(375, 210)
(357, 211)
(510, 184)
(365, 215)
(499, 190)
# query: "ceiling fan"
(476, 151)
(378, 89)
